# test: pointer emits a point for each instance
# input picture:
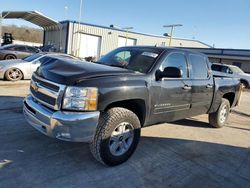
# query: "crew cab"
(108, 102)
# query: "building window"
(123, 41)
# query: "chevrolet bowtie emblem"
(34, 86)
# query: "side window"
(216, 67)
(176, 60)
(225, 69)
(20, 48)
(199, 66)
(32, 50)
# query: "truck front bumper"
(69, 126)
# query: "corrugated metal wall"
(109, 38)
(57, 37)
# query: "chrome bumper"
(69, 126)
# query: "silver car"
(17, 69)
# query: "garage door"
(90, 45)
(122, 41)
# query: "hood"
(70, 72)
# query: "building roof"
(237, 54)
(34, 17)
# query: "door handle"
(186, 87)
(209, 86)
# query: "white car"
(17, 69)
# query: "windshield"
(136, 59)
(32, 57)
(236, 70)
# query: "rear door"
(175, 93)
(202, 84)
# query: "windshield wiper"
(120, 66)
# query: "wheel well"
(135, 105)
(230, 97)
(244, 82)
(9, 54)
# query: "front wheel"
(117, 136)
(219, 118)
(13, 74)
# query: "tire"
(219, 118)
(13, 74)
(244, 84)
(110, 145)
(10, 56)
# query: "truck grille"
(46, 92)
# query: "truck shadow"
(192, 123)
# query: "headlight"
(78, 98)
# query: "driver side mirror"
(168, 72)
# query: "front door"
(175, 93)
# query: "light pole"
(127, 29)
(172, 26)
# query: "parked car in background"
(14, 51)
(17, 69)
(232, 71)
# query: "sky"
(222, 23)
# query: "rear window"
(32, 50)
(199, 66)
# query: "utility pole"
(66, 12)
(171, 31)
(78, 29)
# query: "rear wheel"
(219, 118)
(10, 56)
(117, 136)
(13, 74)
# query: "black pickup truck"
(108, 102)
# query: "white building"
(86, 40)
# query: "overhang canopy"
(34, 17)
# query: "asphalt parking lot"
(186, 153)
